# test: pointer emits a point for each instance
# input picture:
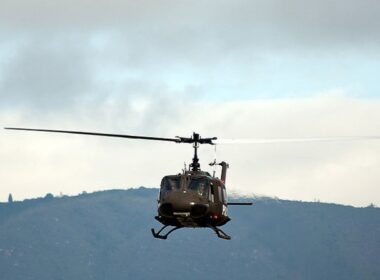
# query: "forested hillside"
(106, 235)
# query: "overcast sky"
(232, 69)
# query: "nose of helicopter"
(183, 204)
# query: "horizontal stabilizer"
(239, 203)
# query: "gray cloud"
(72, 52)
(45, 74)
(142, 67)
(224, 24)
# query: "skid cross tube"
(165, 236)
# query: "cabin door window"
(211, 193)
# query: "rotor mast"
(196, 140)
(195, 166)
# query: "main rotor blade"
(98, 134)
(294, 140)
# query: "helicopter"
(191, 199)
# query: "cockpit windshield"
(199, 185)
(170, 184)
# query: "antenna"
(213, 164)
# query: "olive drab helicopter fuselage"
(192, 198)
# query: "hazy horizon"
(242, 69)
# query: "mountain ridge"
(106, 235)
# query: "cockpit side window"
(211, 193)
(220, 194)
(224, 195)
(169, 185)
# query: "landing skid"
(165, 236)
(220, 233)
